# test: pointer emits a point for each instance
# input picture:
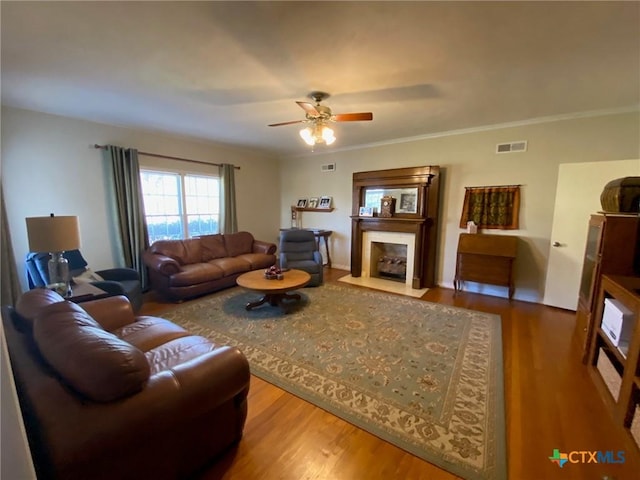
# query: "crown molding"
(483, 128)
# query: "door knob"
(557, 244)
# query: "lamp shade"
(53, 234)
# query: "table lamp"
(55, 235)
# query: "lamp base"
(59, 274)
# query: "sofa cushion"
(185, 251)
(238, 243)
(175, 352)
(258, 260)
(149, 332)
(31, 303)
(231, 266)
(212, 247)
(196, 273)
(89, 359)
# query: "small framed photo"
(302, 202)
(325, 202)
(313, 202)
(366, 212)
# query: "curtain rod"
(493, 186)
(147, 154)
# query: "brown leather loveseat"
(107, 395)
(180, 269)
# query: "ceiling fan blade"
(309, 108)
(352, 117)
(285, 123)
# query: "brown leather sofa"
(180, 269)
(108, 395)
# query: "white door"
(577, 196)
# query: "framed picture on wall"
(313, 202)
(325, 202)
(302, 202)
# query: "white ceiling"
(222, 71)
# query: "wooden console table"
(486, 258)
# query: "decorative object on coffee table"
(275, 291)
(273, 273)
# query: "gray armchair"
(299, 250)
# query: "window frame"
(182, 176)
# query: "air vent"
(329, 167)
(512, 147)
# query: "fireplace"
(398, 244)
(388, 260)
(389, 256)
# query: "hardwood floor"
(551, 403)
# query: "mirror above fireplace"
(406, 198)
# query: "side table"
(83, 292)
(323, 235)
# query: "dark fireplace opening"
(388, 261)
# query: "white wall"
(49, 165)
(468, 159)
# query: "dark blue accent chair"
(117, 281)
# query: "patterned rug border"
(258, 356)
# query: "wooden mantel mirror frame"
(423, 223)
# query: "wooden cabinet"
(485, 258)
(625, 363)
(612, 249)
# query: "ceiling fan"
(319, 116)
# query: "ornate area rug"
(425, 377)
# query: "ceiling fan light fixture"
(316, 118)
(327, 135)
(318, 133)
(307, 136)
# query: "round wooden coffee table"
(275, 291)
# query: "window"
(180, 205)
